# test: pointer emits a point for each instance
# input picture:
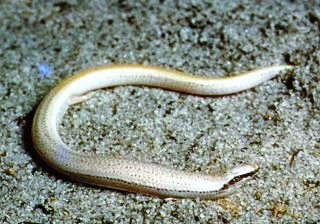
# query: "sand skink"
(131, 175)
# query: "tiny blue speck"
(45, 70)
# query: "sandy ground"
(275, 125)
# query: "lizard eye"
(239, 179)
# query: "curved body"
(130, 175)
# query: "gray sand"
(275, 125)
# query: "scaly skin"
(130, 175)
